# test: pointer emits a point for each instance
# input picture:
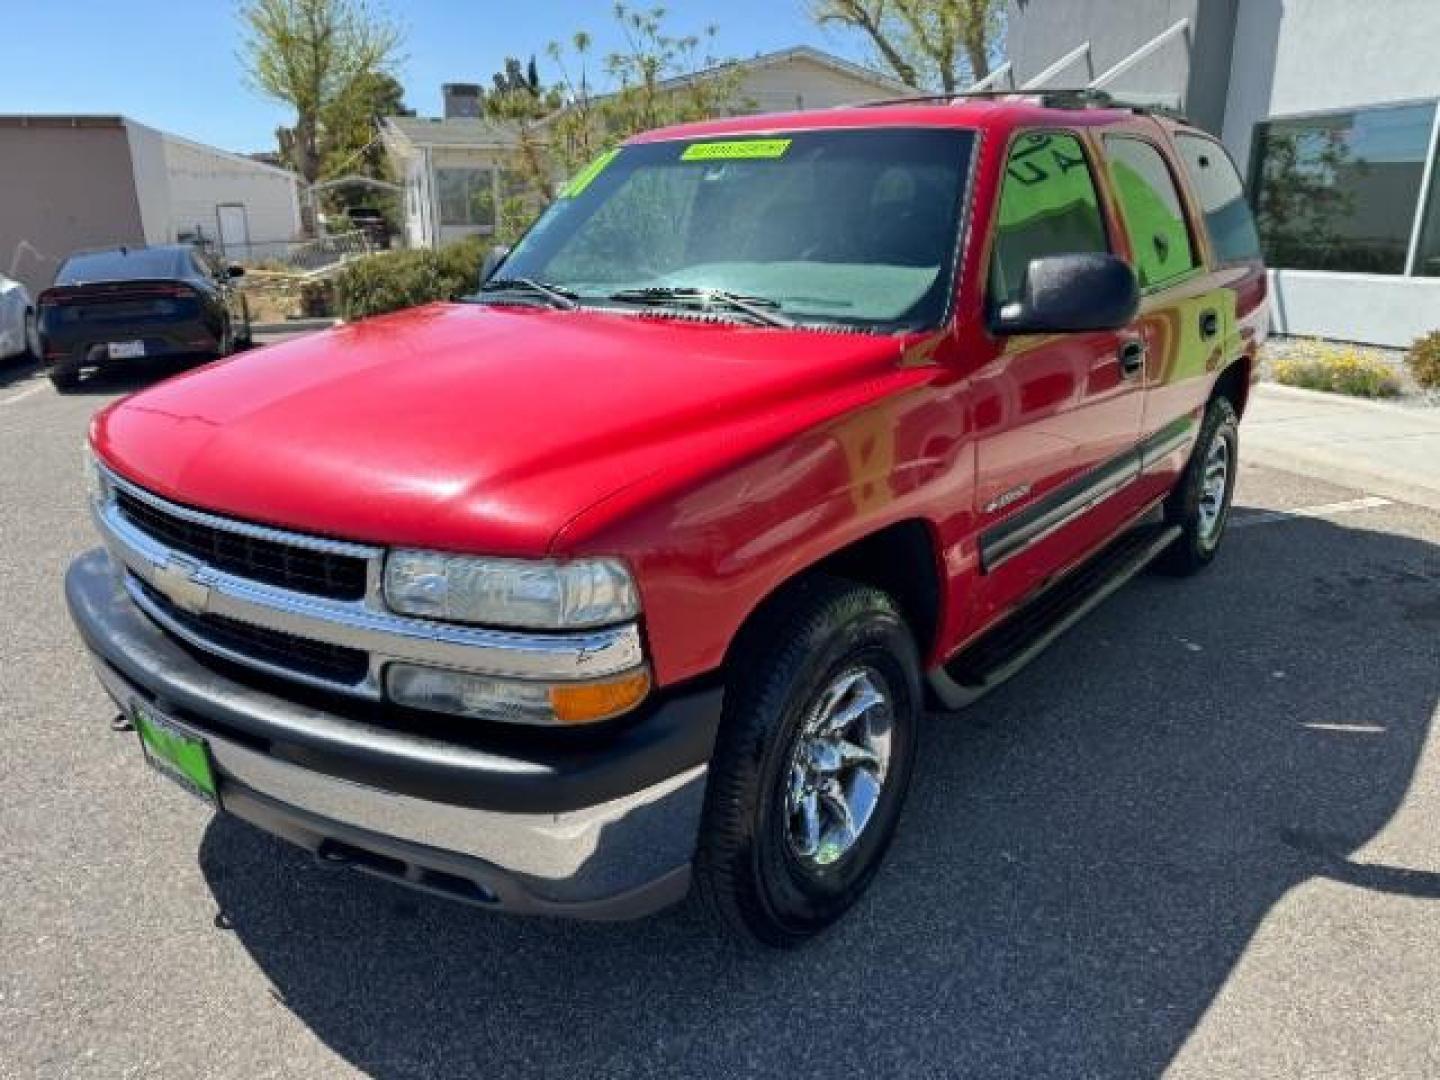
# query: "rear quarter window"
(1151, 208)
(1222, 199)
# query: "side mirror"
(234, 271)
(493, 258)
(1071, 293)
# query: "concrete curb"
(1323, 465)
(1374, 447)
(293, 326)
(1299, 393)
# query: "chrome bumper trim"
(574, 857)
(362, 624)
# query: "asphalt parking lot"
(1198, 836)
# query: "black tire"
(812, 638)
(247, 339)
(65, 379)
(32, 348)
(1201, 532)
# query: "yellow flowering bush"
(1338, 369)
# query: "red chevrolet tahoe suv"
(636, 571)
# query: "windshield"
(855, 228)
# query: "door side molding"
(1002, 542)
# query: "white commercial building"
(1331, 108)
(74, 182)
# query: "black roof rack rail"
(1056, 97)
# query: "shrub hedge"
(394, 280)
(1424, 360)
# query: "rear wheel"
(812, 762)
(65, 379)
(32, 334)
(1200, 502)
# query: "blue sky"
(173, 64)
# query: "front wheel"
(812, 762)
(1200, 502)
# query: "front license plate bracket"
(170, 749)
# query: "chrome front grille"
(311, 609)
(272, 650)
(316, 572)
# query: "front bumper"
(598, 826)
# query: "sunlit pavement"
(1198, 835)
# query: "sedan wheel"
(32, 334)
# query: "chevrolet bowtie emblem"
(182, 582)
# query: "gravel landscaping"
(1411, 394)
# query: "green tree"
(321, 58)
(517, 94)
(941, 44)
(352, 146)
(656, 78)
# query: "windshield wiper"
(554, 295)
(757, 307)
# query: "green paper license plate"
(183, 757)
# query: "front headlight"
(510, 592)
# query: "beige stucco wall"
(801, 83)
(63, 187)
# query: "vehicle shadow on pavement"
(131, 376)
(1083, 860)
(16, 370)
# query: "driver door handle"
(1132, 358)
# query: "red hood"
(476, 428)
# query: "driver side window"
(1048, 206)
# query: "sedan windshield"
(854, 228)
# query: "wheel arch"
(1233, 383)
(901, 559)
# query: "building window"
(1427, 255)
(1340, 191)
(467, 197)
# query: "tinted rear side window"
(117, 266)
(1222, 199)
(1048, 206)
(1154, 216)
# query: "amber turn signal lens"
(584, 703)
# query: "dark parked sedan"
(130, 303)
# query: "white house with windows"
(457, 169)
(452, 171)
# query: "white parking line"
(1368, 502)
(13, 398)
(1353, 729)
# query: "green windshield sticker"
(741, 150)
(586, 176)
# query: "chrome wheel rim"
(838, 767)
(1214, 482)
